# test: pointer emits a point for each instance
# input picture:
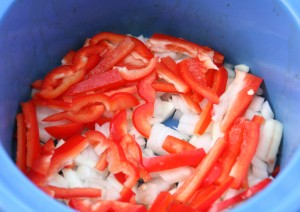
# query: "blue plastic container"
(34, 35)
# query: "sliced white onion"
(187, 123)
(58, 180)
(259, 91)
(266, 111)
(216, 131)
(271, 166)
(147, 192)
(203, 103)
(249, 114)
(257, 162)
(204, 141)
(176, 175)
(257, 103)
(59, 143)
(72, 178)
(260, 173)
(230, 193)
(104, 128)
(113, 188)
(230, 70)
(180, 104)
(242, 67)
(87, 157)
(177, 115)
(147, 152)
(269, 141)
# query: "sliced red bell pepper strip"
(240, 197)
(179, 207)
(68, 193)
(67, 152)
(110, 59)
(102, 163)
(137, 74)
(60, 80)
(195, 180)
(145, 89)
(42, 163)
(203, 202)
(248, 148)
(68, 58)
(21, 143)
(118, 126)
(119, 101)
(213, 175)
(37, 84)
(172, 77)
(78, 102)
(82, 205)
(162, 202)
(241, 94)
(86, 114)
(258, 119)
(127, 195)
(171, 161)
(102, 81)
(219, 85)
(193, 106)
(64, 131)
(193, 72)
(161, 42)
(228, 158)
(110, 205)
(175, 145)
(132, 89)
(170, 63)
(164, 86)
(52, 103)
(140, 118)
(33, 148)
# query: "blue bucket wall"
(34, 36)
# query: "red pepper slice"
(205, 119)
(241, 196)
(67, 59)
(33, 140)
(68, 193)
(171, 161)
(132, 89)
(52, 103)
(140, 118)
(213, 175)
(60, 80)
(248, 148)
(137, 74)
(193, 105)
(82, 205)
(172, 77)
(164, 86)
(110, 59)
(162, 202)
(86, 114)
(178, 207)
(243, 84)
(64, 131)
(118, 126)
(21, 143)
(108, 205)
(204, 201)
(67, 152)
(145, 89)
(37, 84)
(196, 179)
(228, 158)
(175, 145)
(102, 81)
(119, 101)
(170, 63)
(192, 70)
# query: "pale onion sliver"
(187, 123)
(256, 103)
(72, 178)
(203, 141)
(242, 67)
(266, 111)
(104, 128)
(276, 139)
(176, 175)
(260, 173)
(58, 180)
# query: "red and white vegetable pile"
(93, 133)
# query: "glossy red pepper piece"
(119, 101)
(68, 193)
(21, 143)
(59, 80)
(145, 89)
(248, 148)
(244, 87)
(67, 152)
(193, 71)
(68, 58)
(37, 84)
(164, 86)
(137, 74)
(111, 58)
(110, 205)
(64, 131)
(33, 148)
(172, 77)
(118, 125)
(240, 197)
(170, 63)
(102, 81)
(193, 105)
(162, 202)
(140, 118)
(131, 89)
(175, 145)
(196, 179)
(171, 161)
